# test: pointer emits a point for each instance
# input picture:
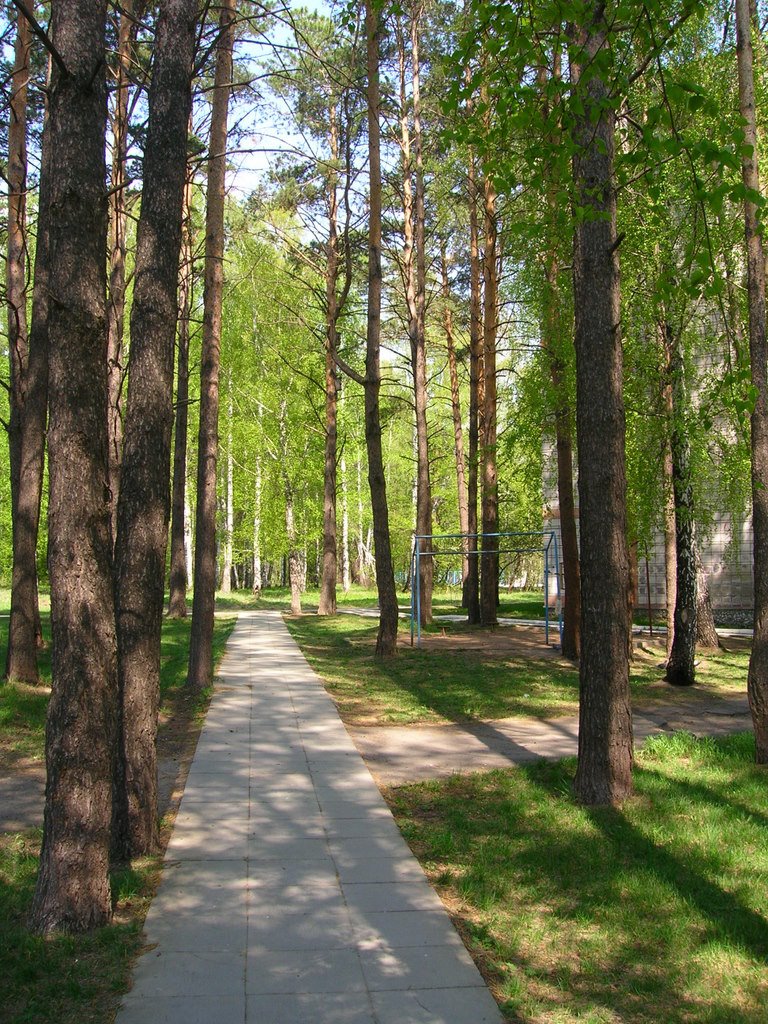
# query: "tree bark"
(670, 545)
(417, 332)
(28, 375)
(458, 433)
(489, 581)
(294, 555)
(16, 263)
(177, 599)
(330, 569)
(552, 342)
(386, 640)
(472, 594)
(604, 774)
(681, 670)
(229, 514)
(706, 633)
(144, 499)
(200, 672)
(72, 891)
(757, 680)
(117, 270)
(345, 566)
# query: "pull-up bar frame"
(549, 544)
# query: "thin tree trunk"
(229, 527)
(386, 640)
(72, 891)
(117, 271)
(327, 603)
(257, 571)
(179, 578)
(472, 594)
(200, 672)
(345, 567)
(144, 500)
(564, 447)
(16, 263)
(28, 396)
(681, 669)
(458, 435)
(670, 545)
(706, 633)
(489, 581)
(294, 556)
(757, 683)
(418, 335)
(604, 774)
(552, 342)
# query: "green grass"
(23, 708)
(651, 914)
(63, 979)
(456, 681)
(76, 979)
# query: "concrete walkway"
(288, 894)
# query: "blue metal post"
(417, 584)
(546, 594)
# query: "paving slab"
(288, 893)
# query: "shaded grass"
(651, 913)
(23, 708)
(66, 979)
(458, 683)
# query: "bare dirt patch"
(500, 642)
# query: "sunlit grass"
(458, 682)
(651, 913)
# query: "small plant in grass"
(652, 912)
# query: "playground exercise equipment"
(547, 546)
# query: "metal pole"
(417, 584)
(412, 596)
(546, 595)
(559, 593)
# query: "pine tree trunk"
(229, 523)
(757, 682)
(179, 579)
(327, 604)
(458, 434)
(28, 355)
(117, 270)
(144, 499)
(472, 594)
(681, 669)
(72, 892)
(16, 262)
(386, 640)
(200, 672)
(489, 580)
(604, 774)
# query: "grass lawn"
(77, 979)
(652, 914)
(463, 674)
